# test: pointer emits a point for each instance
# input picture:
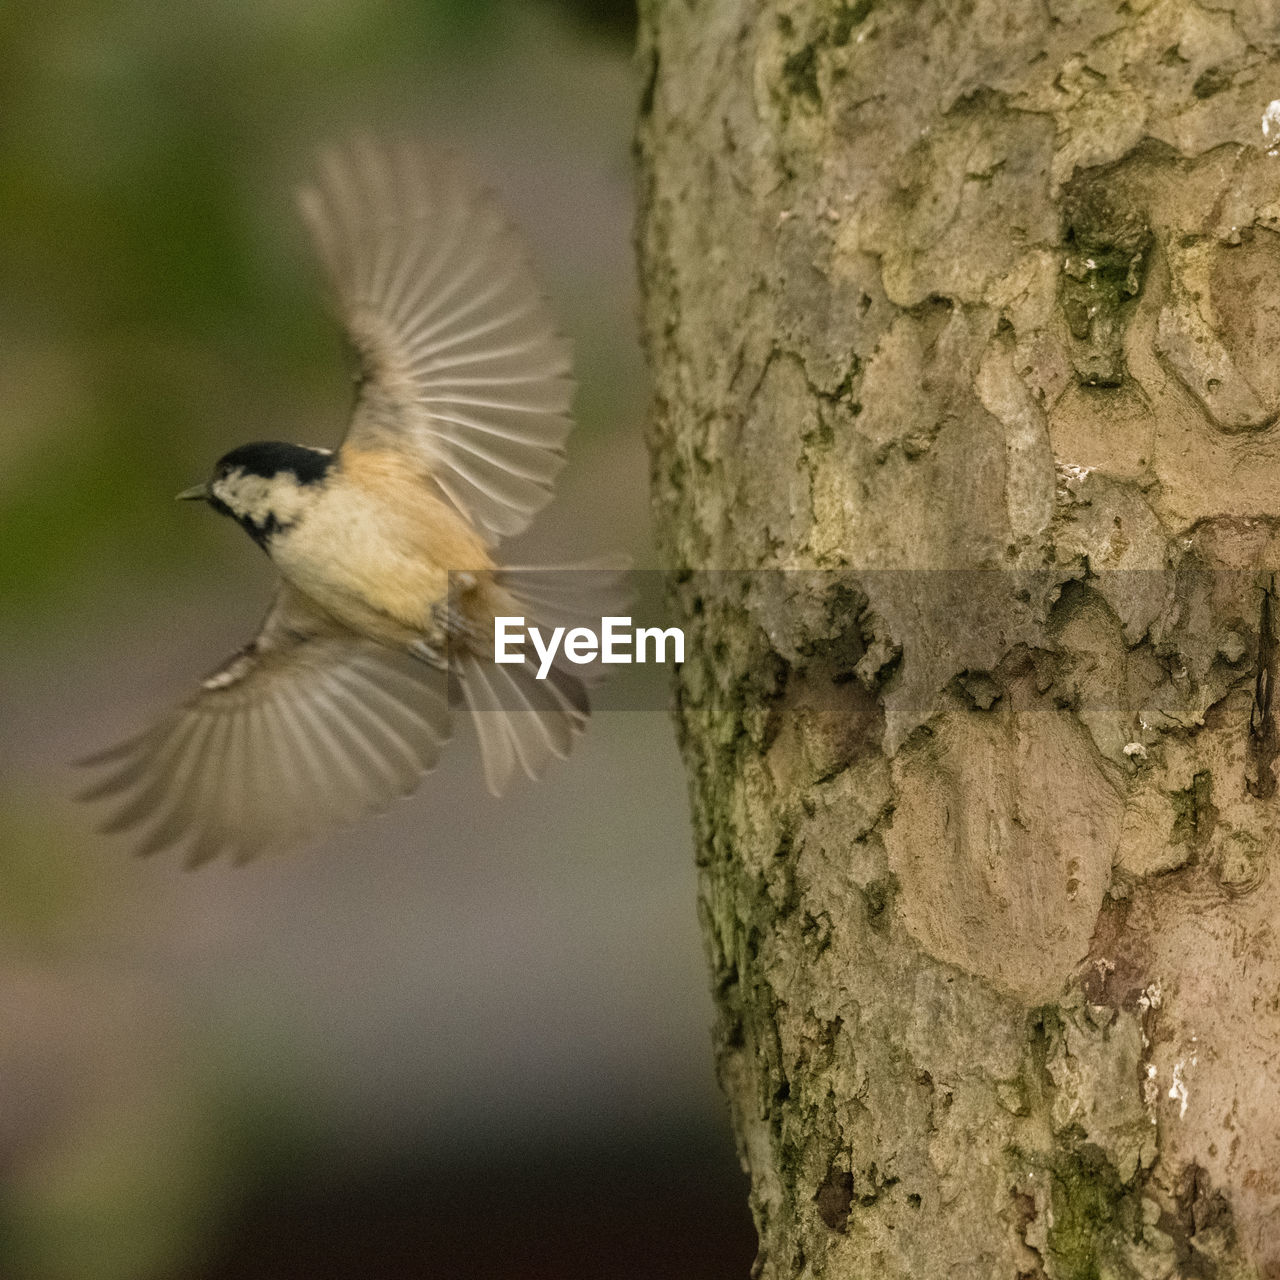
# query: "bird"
(385, 546)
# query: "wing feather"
(309, 727)
(434, 290)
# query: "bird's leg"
(448, 623)
(430, 654)
(448, 613)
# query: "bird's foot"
(430, 654)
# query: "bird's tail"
(523, 719)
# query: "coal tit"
(384, 546)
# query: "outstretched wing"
(462, 367)
(306, 728)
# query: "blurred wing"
(308, 727)
(461, 364)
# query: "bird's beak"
(197, 492)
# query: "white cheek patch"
(260, 499)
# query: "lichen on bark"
(963, 325)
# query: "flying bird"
(385, 546)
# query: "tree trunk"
(963, 326)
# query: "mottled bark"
(974, 307)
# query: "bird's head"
(264, 486)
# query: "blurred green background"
(465, 1039)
